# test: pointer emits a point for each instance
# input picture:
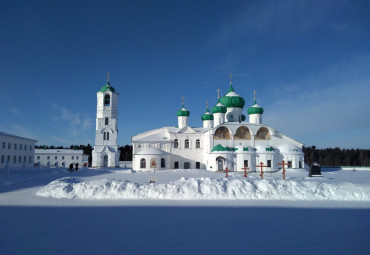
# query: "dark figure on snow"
(76, 167)
(71, 167)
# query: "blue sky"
(309, 62)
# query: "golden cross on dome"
(231, 78)
(254, 92)
(182, 98)
(108, 76)
(207, 103)
(218, 93)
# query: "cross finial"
(231, 78)
(218, 93)
(182, 98)
(207, 104)
(108, 76)
(254, 92)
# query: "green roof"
(106, 87)
(207, 115)
(219, 147)
(183, 112)
(232, 100)
(219, 108)
(255, 109)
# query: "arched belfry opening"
(242, 133)
(222, 133)
(107, 100)
(263, 134)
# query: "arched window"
(176, 143)
(163, 163)
(107, 100)
(142, 163)
(263, 134)
(222, 133)
(187, 144)
(197, 144)
(105, 136)
(242, 133)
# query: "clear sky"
(309, 62)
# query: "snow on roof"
(58, 151)
(15, 136)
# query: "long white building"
(59, 157)
(225, 140)
(16, 151)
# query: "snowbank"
(205, 188)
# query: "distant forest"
(336, 156)
(325, 157)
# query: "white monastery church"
(226, 140)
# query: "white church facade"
(225, 140)
(105, 153)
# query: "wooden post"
(261, 166)
(226, 170)
(283, 164)
(245, 170)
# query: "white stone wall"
(58, 157)
(16, 152)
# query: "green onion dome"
(232, 100)
(255, 109)
(183, 112)
(207, 115)
(107, 87)
(219, 108)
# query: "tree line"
(336, 156)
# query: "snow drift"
(205, 188)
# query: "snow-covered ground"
(52, 211)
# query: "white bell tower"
(105, 153)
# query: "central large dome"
(232, 100)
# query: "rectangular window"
(107, 135)
(20, 146)
(38, 157)
(30, 159)
(25, 147)
(30, 147)
(3, 145)
(176, 166)
(246, 163)
(77, 157)
(268, 163)
(8, 145)
(197, 165)
(20, 159)
(62, 157)
(106, 121)
(48, 157)
(15, 159)
(2, 158)
(8, 158)
(73, 157)
(197, 144)
(56, 157)
(24, 159)
(15, 146)
(300, 164)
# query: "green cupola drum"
(234, 105)
(255, 112)
(183, 116)
(207, 119)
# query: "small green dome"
(255, 109)
(232, 100)
(107, 87)
(219, 108)
(183, 112)
(207, 115)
